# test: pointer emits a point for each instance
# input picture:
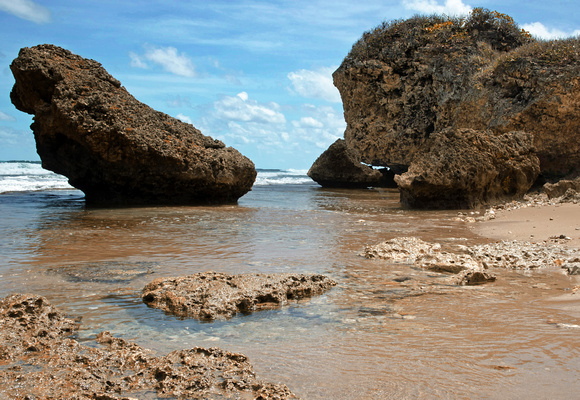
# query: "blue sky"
(255, 74)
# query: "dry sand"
(534, 224)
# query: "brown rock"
(536, 89)
(560, 188)
(473, 278)
(464, 168)
(404, 81)
(114, 148)
(340, 166)
(39, 359)
(209, 295)
(400, 80)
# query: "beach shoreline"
(535, 223)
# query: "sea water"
(386, 331)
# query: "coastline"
(534, 223)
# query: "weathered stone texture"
(113, 147)
(464, 168)
(40, 359)
(211, 295)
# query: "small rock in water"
(209, 295)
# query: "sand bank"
(534, 224)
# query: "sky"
(256, 74)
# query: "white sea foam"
(20, 176)
(282, 177)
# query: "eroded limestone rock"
(559, 189)
(340, 166)
(114, 148)
(39, 359)
(405, 81)
(464, 168)
(211, 295)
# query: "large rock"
(406, 80)
(535, 88)
(340, 166)
(211, 295)
(559, 189)
(399, 80)
(113, 147)
(464, 168)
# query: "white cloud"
(242, 108)
(137, 61)
(315, 84)
(184, 118)
(26, 9)
(179, 101)
(539, 30)
(168, 58)
(6, 117)
(261, 128)
(450, 7)
(321, 127)
(307, 122)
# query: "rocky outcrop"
(211, 295)
(406, 80)
(114, 148)
(399, 80)
(464, 168)
(339, 166)
(463, 268)
(478, 258)
(535, 88)
(40, 359)
(559, 189)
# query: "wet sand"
(535, 224)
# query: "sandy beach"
(537, 223)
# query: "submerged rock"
(39, 359)
(465, 268)
(210, 295)
(464, 168)
(448, 263)
(473, 278)
(401, 249)
(114, 148)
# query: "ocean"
(387, 331)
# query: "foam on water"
(23, 176)
(282, 177)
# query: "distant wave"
(282, 177)
(27, 176)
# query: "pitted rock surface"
(114, 148)
(340, 166)
(39, 359)
(211, 295)
(407, 80)
(464, 168)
